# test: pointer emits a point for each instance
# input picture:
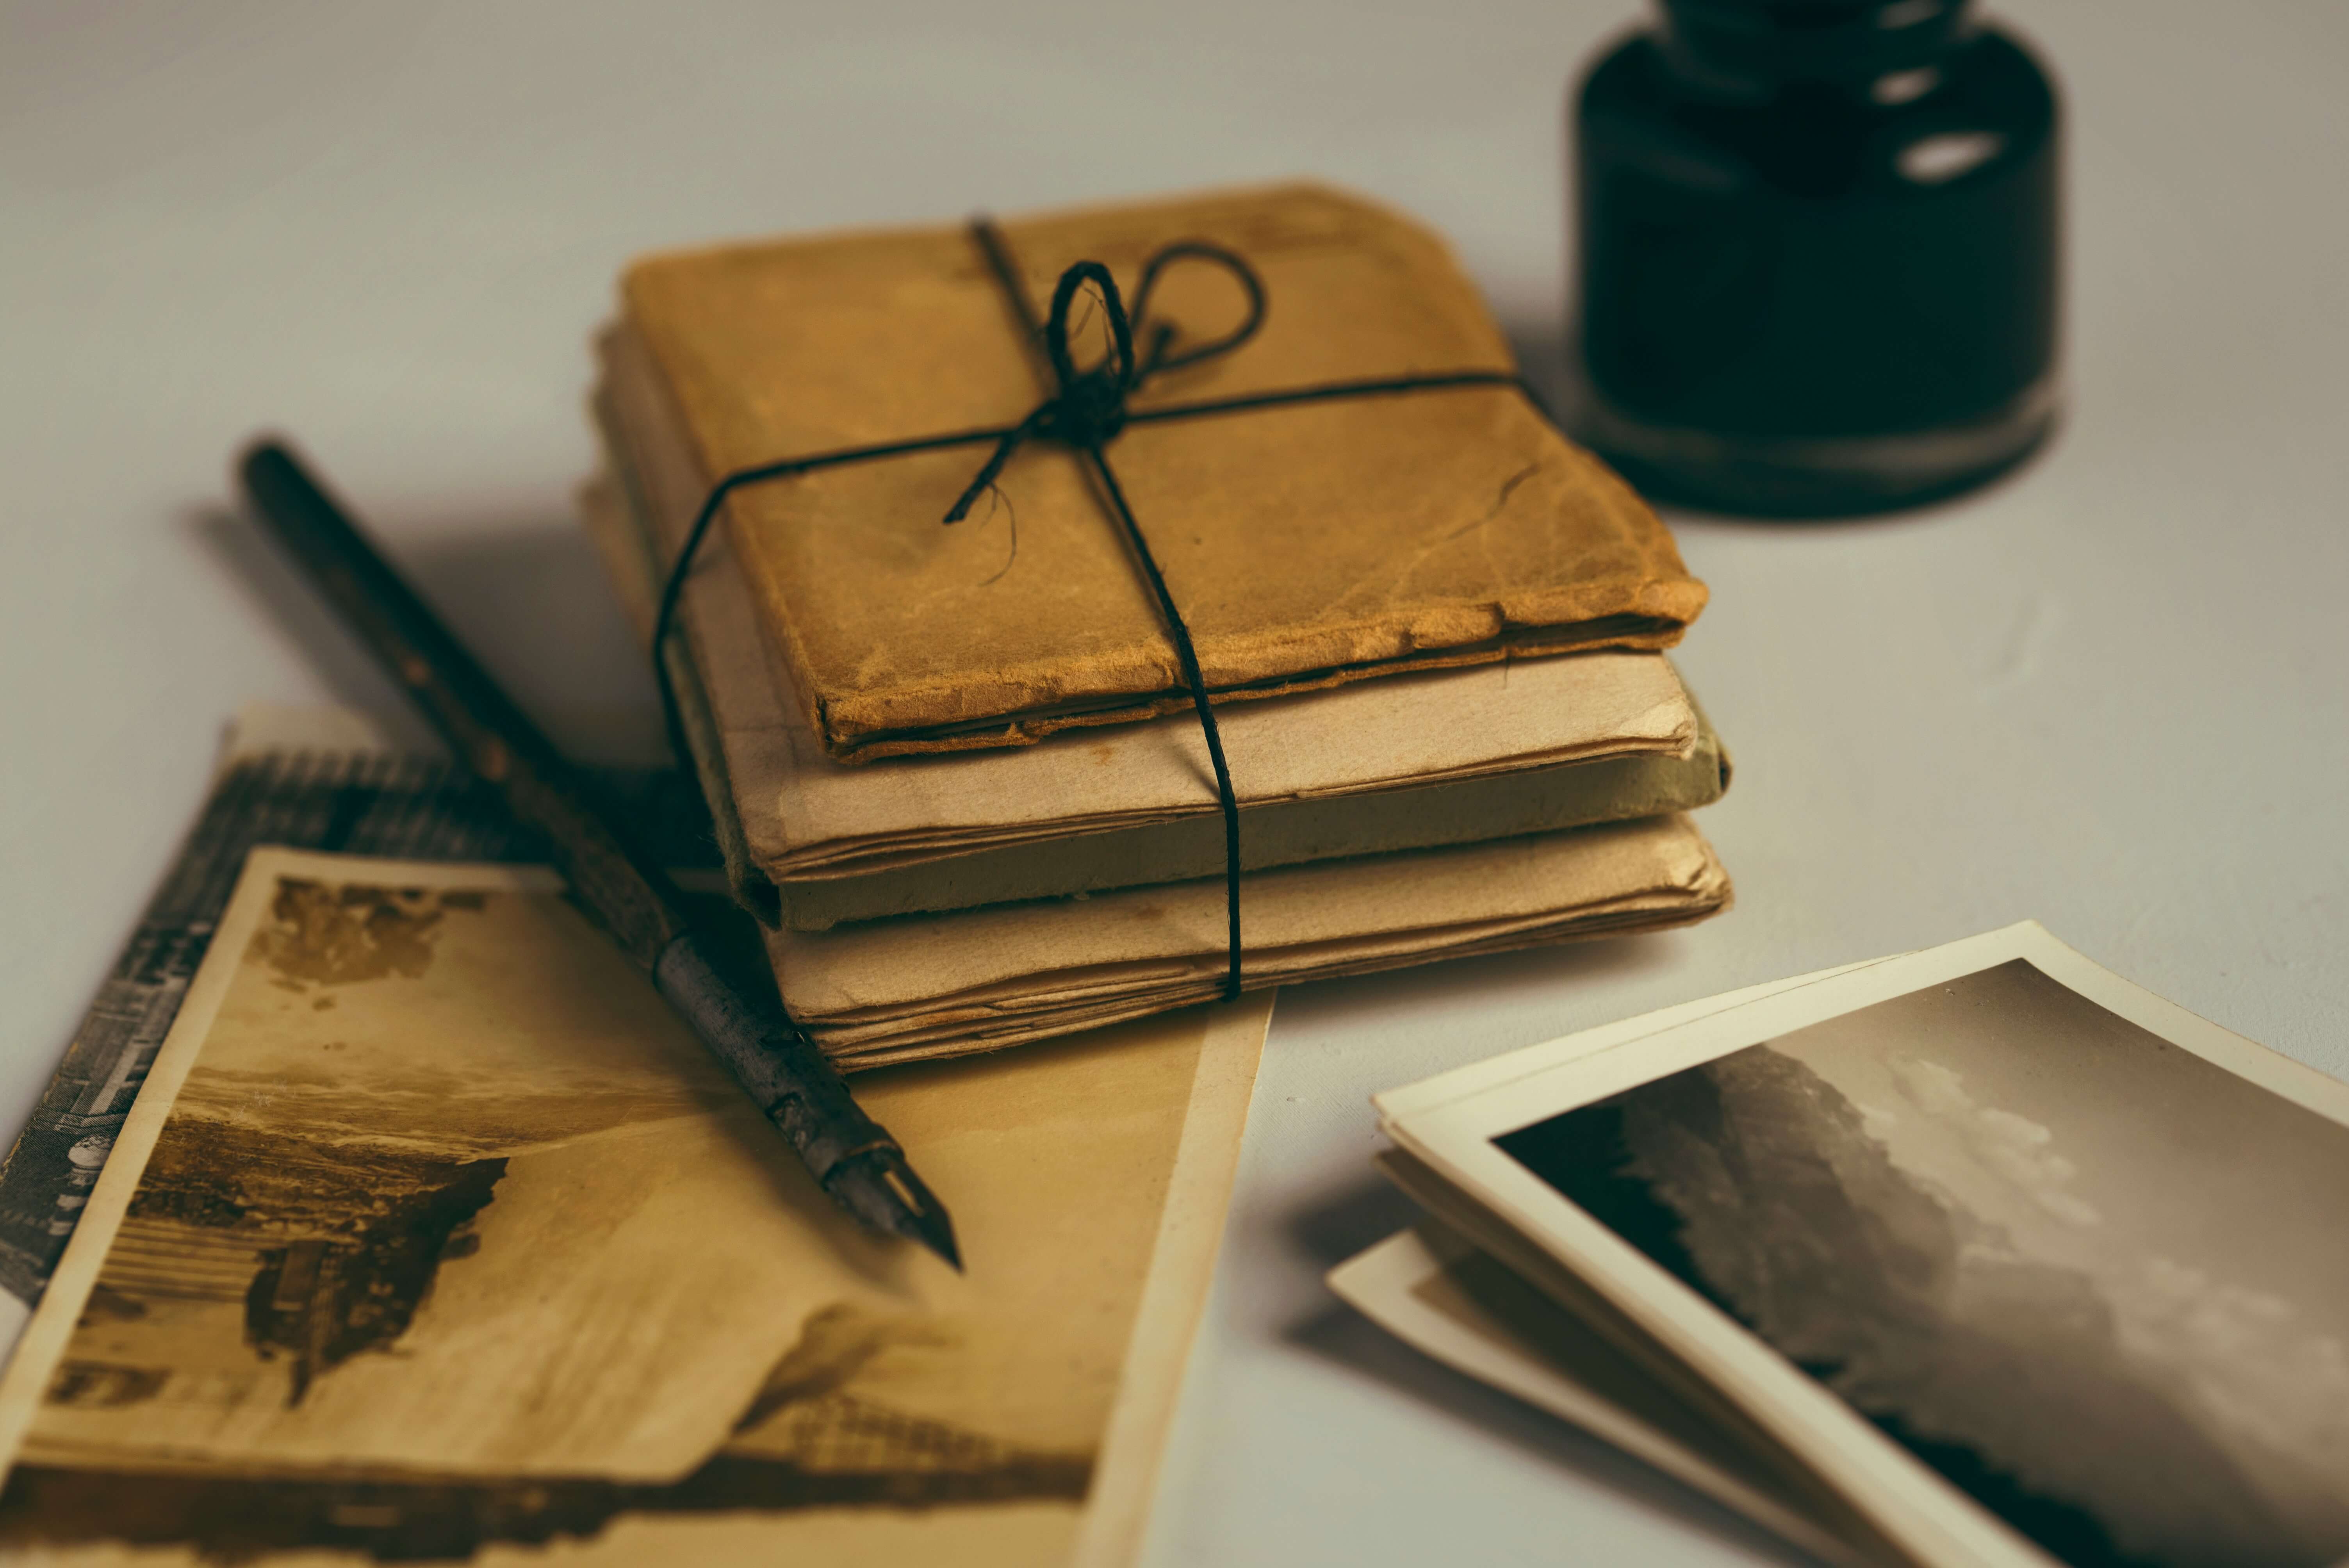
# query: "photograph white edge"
(1494, 1072)
(1174, 1289)
(1905, 1497)
(1382, 1283)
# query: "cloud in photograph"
(2008, 1145)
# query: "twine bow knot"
(1086, 409)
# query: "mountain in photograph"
(343, 1241)
(1751, 1180)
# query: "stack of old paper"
(954, 769)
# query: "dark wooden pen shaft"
(798, 1089)
(634, 900)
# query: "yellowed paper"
(930, 984)
(806, 817)
(433, 1225)
(1309, 545)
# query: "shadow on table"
(1541, 348)
(1368, 1211)
(1489, 981)
(524, 593)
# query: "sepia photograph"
(452, 1240)
(2095, 1281)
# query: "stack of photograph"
(1977, 1257)
(954, 769)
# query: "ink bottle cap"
(1815, 254)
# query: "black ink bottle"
(1816, 254)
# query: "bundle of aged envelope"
(954, 767)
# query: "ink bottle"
(1815, 254)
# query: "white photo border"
(1454, 1133)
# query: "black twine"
(1084, 409)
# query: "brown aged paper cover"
(1309, 545)
(804, 817)
(930, 985)
(433, 1224)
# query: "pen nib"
(879, 1188)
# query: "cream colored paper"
(1580, 1361)
(639, 1324)
(1309, 544)
(1434, 1291)
(977, 978)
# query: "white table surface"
(2109, 692)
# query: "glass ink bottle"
(1815, 254)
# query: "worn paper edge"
(1175, 1291)
(863, 725)
(1381, 1283)
(624, 491)
(1476, 1078)
(44, 1341)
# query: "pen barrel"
(479, 722)
(793, 1083)
(777, 1064)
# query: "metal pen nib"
(737, 1014)
(879, 1188)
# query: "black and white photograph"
(2098, 1283)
